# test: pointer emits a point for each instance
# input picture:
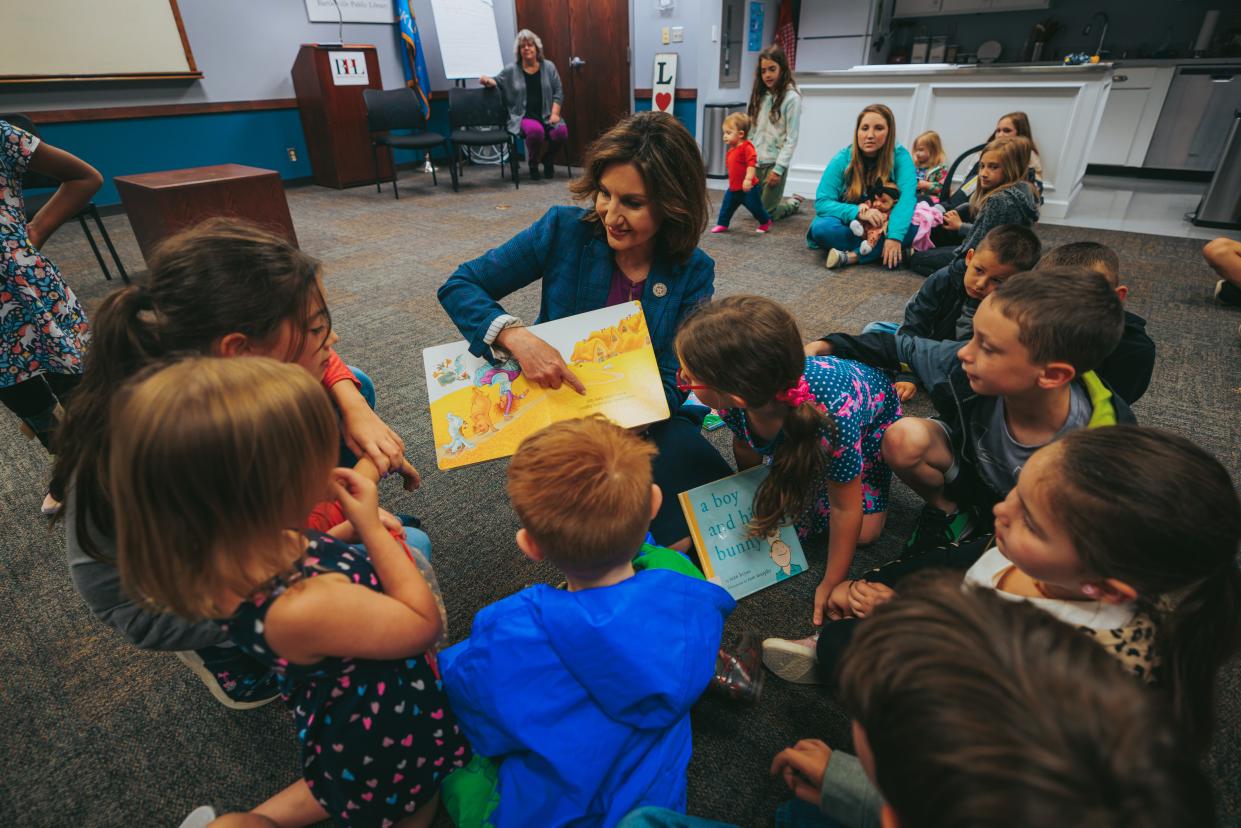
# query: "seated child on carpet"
(1129, 367)
(928, 153)
(348, 631)
(582, 696)
(743, 184)
(970, 710)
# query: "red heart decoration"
(663, 100)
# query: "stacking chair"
(568, 159)
(37, 181)
(389, 109)
(946, 196)
(479, 118)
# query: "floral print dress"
(42, 327)
(860, 403)
(377, 736)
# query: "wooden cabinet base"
(160, 204)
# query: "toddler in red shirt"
(743, 188)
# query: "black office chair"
(389, 109)
(37, 181)
(946, 196)
(479, 118)
(568, 159)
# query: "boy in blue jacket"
(582, 696)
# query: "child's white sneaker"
(857, 228)
(793, 661)
(864, 248)
(836, 258)
(200, 817)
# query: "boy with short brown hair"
(1129, 367)
(582, 696)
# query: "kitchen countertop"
(898, 69)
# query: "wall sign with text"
(664, 84)
(350, 11)
(349, 68)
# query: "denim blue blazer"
(575, 264)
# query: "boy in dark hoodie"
(1025, 377)
(582, 696)
(1127, 369)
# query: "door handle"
(576, 61)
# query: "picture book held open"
(482, 410)
(718, 515)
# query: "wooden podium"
(329, 81)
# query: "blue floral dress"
(42, 327)
(377, 736)
(860, 403)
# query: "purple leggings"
(534, 134)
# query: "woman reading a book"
(638, 240)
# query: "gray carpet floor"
(101, 734)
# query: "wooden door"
(588, 40)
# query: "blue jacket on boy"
(583, 698)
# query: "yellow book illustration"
(482, 410)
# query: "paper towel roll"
(1207, 31)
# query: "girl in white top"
(1129, 534)
(775, 117)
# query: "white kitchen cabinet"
(1130, 115)
(930, 8)
(824, 54)
(916, 8)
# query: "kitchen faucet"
(1102, 35)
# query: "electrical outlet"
(663, 35)
(292, 154)
(678, 34)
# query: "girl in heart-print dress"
(211, 459)
(377, 736)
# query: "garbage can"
(713, 150)
(1221, 203)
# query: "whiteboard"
(469, 42)
(55, 39)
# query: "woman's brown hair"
(882, 170)
(1014, 161)
(668, 159)
(220, 277)
(1021, 123)
(1151, 509)
(749, 346)
(783, 84)
(210, 460)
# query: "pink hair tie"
(797, 394)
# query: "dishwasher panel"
(1195, 118)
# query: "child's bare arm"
(751, 176)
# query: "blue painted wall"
(684, 111)
(257, 139)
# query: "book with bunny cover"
(482, 410)
(719, 515)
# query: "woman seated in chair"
(532, 90)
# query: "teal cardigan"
(832, 186)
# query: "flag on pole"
(415, 63)
(786, 32)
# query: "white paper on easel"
(468, 38)
(349, 68)
(664, 82)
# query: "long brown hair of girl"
(1014, 156)
(1155, 511)
(1021, 123)
(220, 277)
(785, 82)
(858, 183)
(749, 346)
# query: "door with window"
(588, 40)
